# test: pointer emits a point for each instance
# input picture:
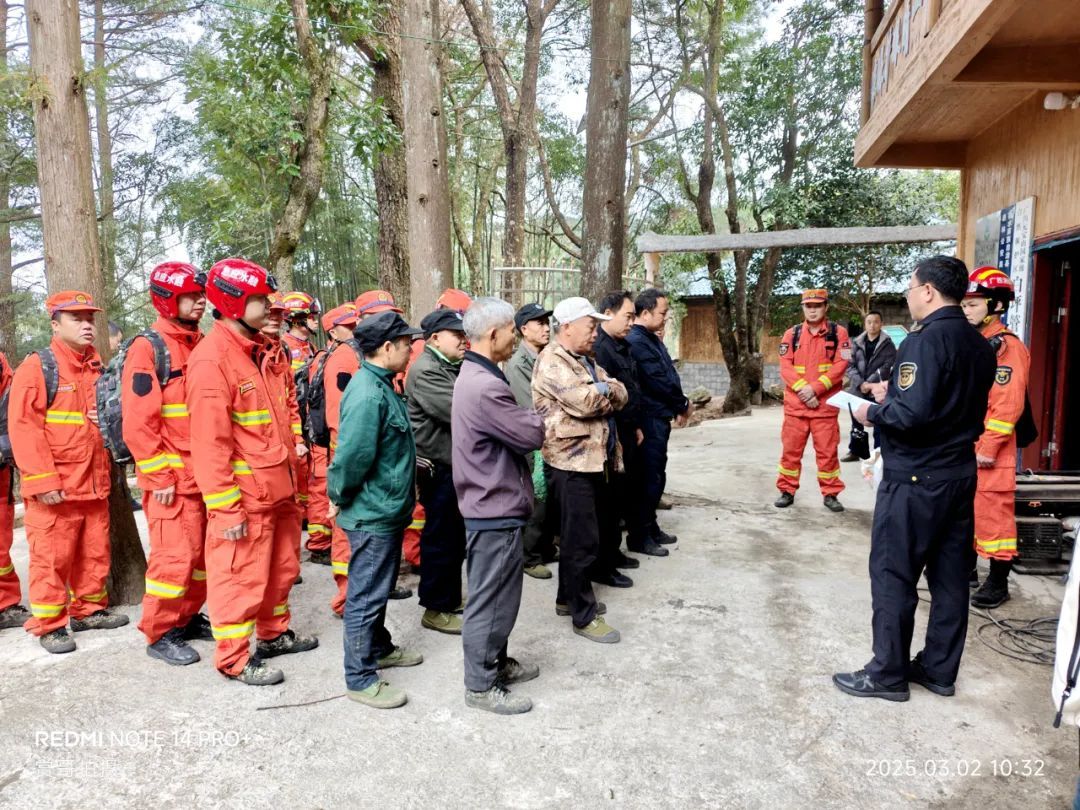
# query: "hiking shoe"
(401, 593)
(319, 556)
(257, 673)
(198, 628)
(58, 641)
(497, 700)
(400, 657)
(917, 674)
(626, 562)
(442, 621)
(380, 695)
(785, 500)
(598, 630)
(663, 538)
(99, 620)
(14, 616)
(832, 504)
(173, 649)
(647, 546)
(564, 610)
(538, 571)
(287, 642)
(990, 595)
(513, 671)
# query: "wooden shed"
(992, 88)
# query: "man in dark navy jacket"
(931, 414)
(662, 400)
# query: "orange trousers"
(826, 433)
(995, 524)
(175, 572)
(10, 591)
(319, 524)
(69, 557)
(249, 580)
(410, 545)
(340, 553)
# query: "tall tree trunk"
(606, 116)
(69, 223)
(106, 175)
(8, 338)
(430, 255)
(311, 154)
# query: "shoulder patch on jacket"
(906, 376)
(343, 378)
(246, 385)
(1004, 374)
(142, 383)
(783, 349)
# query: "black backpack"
(109, 405)
(315, 426)
(302, 380)
(1026, 432)
(831, 340)
(51, 372)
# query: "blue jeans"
(372, 570)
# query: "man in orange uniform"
(303, 317)
(341, 365)
(157, 432)
(243, 458)
(989, 294)
(12, 614)
(813, 358)
(65, 478)
(338, 324)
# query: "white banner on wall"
(1003, 240)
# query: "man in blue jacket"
(662, 400)
(371, 481)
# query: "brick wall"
(714, 377)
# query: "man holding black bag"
(872, 357)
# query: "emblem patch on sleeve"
(845, 354)
(246, 385)
(906, 375)
(1004, 374)
(783, 349)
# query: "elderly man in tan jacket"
(577, 398)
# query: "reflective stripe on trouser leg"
(826, 434)
(995, 525)
(177, 535)
(52, 533)
(340, 552)
(283, 533)
(793, 437)
(10, 591)
(320, 525)
(91, 560)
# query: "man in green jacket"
(371, 483)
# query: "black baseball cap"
(373, 332)
(530, 312)
(441, 319)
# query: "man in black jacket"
(873, 355)
(662, 400)
(931, 414)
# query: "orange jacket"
(300, 350)
(340, 367)
(813, 364)
(240, 448)
(998, 441)
(57, 446)
(5, 374)
(156, 423)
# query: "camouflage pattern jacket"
(577, 410)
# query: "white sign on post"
(1003, 240)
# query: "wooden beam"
(1035, 67)
(873, 11)
(804, 237)
(943, 155)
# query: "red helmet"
(170, 280)
(300, 304)
(992, 284)
(231, 281)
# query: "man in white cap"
(577, 399)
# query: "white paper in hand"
(842, 399)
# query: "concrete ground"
(718, 696)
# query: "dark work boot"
(287, 642)
(58, 641)
(319, 556)
(256, 673)
(785, 500)
(198, 629)
(14, 616)
(995, 590)
(832, 504)
(663, 538)
(173, 649)
(647, 546)
(103, 619)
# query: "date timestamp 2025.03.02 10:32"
(894, 768)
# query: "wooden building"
(992, 88)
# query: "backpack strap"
(831, 341)
(796, 335)
(50, 369)
(356, 348)
(162, 361)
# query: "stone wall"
(714, 377)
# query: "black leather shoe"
(401, 593)
(664, 539)
(785, 500)
(832, 504)
(648, 546)
(860, 684)
(917, 674)
(198, 629)
(626, 562)
(173, 649)
(614, 580)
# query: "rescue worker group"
(445, 444)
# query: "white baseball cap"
(571, 309)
